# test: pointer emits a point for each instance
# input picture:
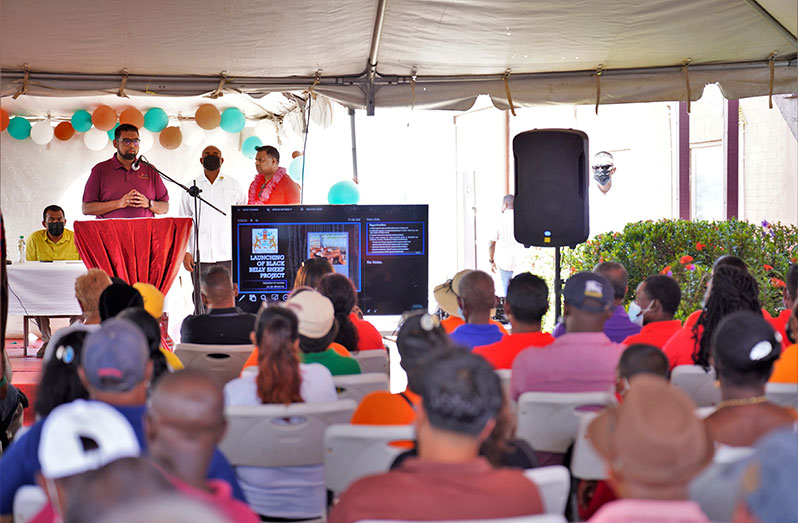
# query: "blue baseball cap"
(115, 356)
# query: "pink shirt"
(650, 511)
(574, 362)
(220, 497)
(109, 180)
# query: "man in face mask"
(54, 242)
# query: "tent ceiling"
(458, 48)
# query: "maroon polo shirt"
(109, 180)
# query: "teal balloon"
(111, 132)
(344, 193)
(249, 145)
(295, 168)
(233, 120)
(19, 128)
(81, 121)
(155, 120)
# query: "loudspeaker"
(551, 187)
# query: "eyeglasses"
(128, 141)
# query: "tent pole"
(354, 145)
(371, 68)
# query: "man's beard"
(127, 156)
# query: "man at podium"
(123, 187)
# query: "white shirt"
(508, 252)
(215, 240)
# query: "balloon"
(19, 128)
(249, 145)
(207, 117)
(295, 168)
(266, 130)
(95, 139)
(112, 132)
(171, 138)
(156, 120)
(146, 141)
(296, 154)
(81, 121)
(217, 137)
(3, 119)
(41, 133)
(132, 116)
(64, 131)
(193, 135)
(233, 120)
(104, 118)
(344, 192)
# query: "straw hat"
(446, 294)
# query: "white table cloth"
(44, 288)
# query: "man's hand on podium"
(188, 262)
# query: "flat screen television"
(383, 249)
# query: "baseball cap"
(314, 311)
(84, 435)
(446, 294)
(115, 356)
(153, 298)
(589, 292)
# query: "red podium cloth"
(146, 250)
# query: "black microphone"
(137, 164)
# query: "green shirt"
(336, 363)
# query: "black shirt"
(218, 327)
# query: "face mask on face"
(55, 228)
(211, 162)
(636, 313)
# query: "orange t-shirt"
(502, 353)
(785, 369)
(656, 334)
(252, 361)
(452, 322)
(679, 348)
(383, 408)
(369, 337)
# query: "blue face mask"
(636, 313)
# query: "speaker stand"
(557, 287)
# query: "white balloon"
(95, 139)
(217, 137)
(41, 132)
(193, 134)
(321, 111)
(266, 130)
(147, 140)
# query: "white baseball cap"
(82, 436)
(314, 311)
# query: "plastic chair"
(375, 360)
(29, 500)
(784, 394)
(355, 386)
(554, 485)
(541, 518)
(717, 487)
(223, 362)
(504, 376)
(281, 435)
(586, 463)
(697, 383)
(355, 451)
(549, 421)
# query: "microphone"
(137, 164)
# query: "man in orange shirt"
(526, 304)
(272, 185)
(656, 301)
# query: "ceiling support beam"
(761, 11)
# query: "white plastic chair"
(717, 487)
(223, 362)
(29, 500)
(355, 386)
(549, 421)
(374, 360)
(697, 383)
(784, 394)
(504, 376)
(554, 485)
(355, 451)
(541, 518)
(586, 462)
(281, 435)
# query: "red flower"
(685, 259)
(767, 267)
(690, 267)
(666, 270)
(777, 282)
(700, 246)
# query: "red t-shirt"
(369, 337)
(109, 180)
(502, 353)
(779, 324)
(679, 348)
(656, 333)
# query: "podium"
(148, 250)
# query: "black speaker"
(551, 184)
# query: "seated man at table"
(54, 242)
(224, 324)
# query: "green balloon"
(19, 128)
(81, 121)
(156, 120)
(344, 193)
(233, 120)
(249, 146)
(112, 131)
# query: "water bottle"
(21, 245)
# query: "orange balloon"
(207, 117)
(64, 131)
(171, 138)
(296, 154)
(104, 118)
(3, 119)
(132, 116)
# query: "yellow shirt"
(40, 247)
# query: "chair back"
(697, 383)
(223, 362)
(586, 463)
(355, 451)
(504, 376)
(281, 435)
(784, 394)
(549, 421)
(375, 360)
(716, 488)
(29, 500)
(355, 386)
(554, 485)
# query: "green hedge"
(686, 250)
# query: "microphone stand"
(192, 191)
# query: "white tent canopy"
(434, 54)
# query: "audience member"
(282, 492)
(744, 349)
(341, 293)
(732, 290)
(618, 327)
(117, 297)
(185, 421)
(149, 327)
(785, 369)
(653, 445)
(59, 382)
(476, 300)
(461, 396)
(311, 272)
(446, 296)
(727, 260)
(168, 508)
(526, 303)
(789, 299)
(656, 301)
(224, 324)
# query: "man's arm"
(100, 208)
(159, 207)
(491, 253)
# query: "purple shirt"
(109, 180)
(574, 362)
(617, 328)
(475, 335)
